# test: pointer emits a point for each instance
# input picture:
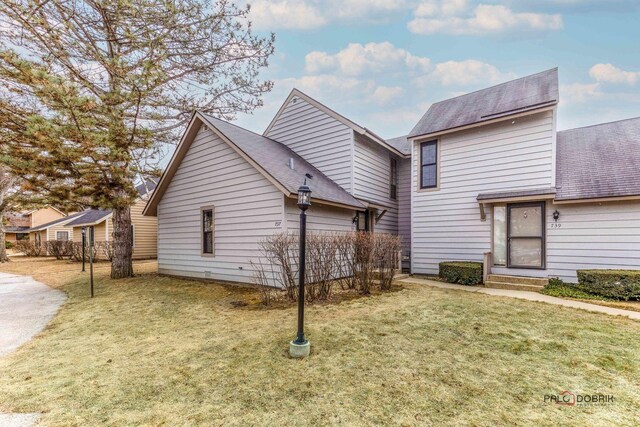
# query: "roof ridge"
(496, 85)
(600, 124)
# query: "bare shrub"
(77, 251)
(386, 256)
(352, 260)
(322, 260)
(279, 263)
(106, 249)
(29, 248)
(60, 249)
(345, 260)
(364, 246)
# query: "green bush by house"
(462, 272)
(8, 244)
(618, 284)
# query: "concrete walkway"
(26, 307)
(526, 295)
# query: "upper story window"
(429, 164)
(207, 231)
(393, 179)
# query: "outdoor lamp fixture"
(84, 243)
(300, 347)
(556, 215)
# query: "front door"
(526, 235)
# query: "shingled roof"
(599, 161)
(517, 96)
(400, 143)
(90, 217)
(274, 157)
(54, 222)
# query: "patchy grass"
(557, 288)
(161, 351)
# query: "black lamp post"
(300, 347)
(84, 243)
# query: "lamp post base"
(299, 351)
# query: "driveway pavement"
(26, 306)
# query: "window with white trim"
(207, 230)
(62, 235)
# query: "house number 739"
(555, 225)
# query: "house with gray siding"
(494, 181)
(483, 177)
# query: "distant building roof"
(54, 222)
(90, 217)
(10, 229)
(274, 157)
(147, 186)
(517, 96)
(400, 143)
(599, 161)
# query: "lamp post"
(300, 347)
(84, 243)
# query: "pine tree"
(92, 91)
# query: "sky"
(382, 63)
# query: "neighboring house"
(492, 175)
(99, 225)
(57, 229)
(18, 223)
(226, 188)
(481, 174)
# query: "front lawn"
(161, 351)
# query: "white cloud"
(272, 15)
(357, 59)
(383, 95)
(464, 73)
(456, 17)
(285, 14)
(580, 92)
(611, 74)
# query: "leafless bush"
(321, 271)
(386, 257)
(29, 248)
(364, 245)
(77, 252)
(60, 249)
(106, 249)
(352, 260)
(279, 263)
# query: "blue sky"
(383, 62)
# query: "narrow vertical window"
(393, 179)
(500, 235)
(207, 231)
(429, 164)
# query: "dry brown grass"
(159, 351)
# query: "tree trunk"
(121, 265)
(3, 245)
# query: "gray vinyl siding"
(320, 218)
(318, 138)
(404, 204)
(594, 235)
(371, 172)
(510, 155)
(247, 208)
